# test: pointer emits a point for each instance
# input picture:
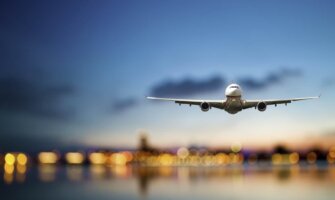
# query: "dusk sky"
(77, 72)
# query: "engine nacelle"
(205, 106)
(261, 106)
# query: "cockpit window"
(234, 86)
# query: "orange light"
(332, 152)
(120, 170)
(8, 178)
(9, 159)
(166, 159)
(332, 148)
(330, 159)
(239, 158)
(22, 159)
(294, 158)
(21, 169)
(128, 155)
(74, 158)
(9, 169)
(277, 159)
(118, 159)
(235, 158)
(97, 158)
(207, 160)
(311, 157)
(47, 157)
(221, 159)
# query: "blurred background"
(75, 122)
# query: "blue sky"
(77, 72)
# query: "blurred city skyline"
(76, 73)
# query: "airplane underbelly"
(233, 105)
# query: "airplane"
(233, 102)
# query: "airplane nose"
(231, 91)
(234, 91)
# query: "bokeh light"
(236, 147)
(97, 158)
(182, 152)
(311, 157)
(9, 169)
(294, 158)
(22, 159)
(118, 159)
(48, 157)
(9, 159)
(166, 159)
(74, 157)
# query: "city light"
(8, 178)
(9, 159)
(74, 158)
(17, 161)
(128, 155)
(182, 152)
(285, 159)
(166, 159)
(14, 165)
(236, 147)
(21, 169)
(330, 159)
(331, 155)
(118, 159)
(47, 157)
(311, 157)
(97, 158)
(22, 159)
(222, 159)
(9, 169)
(294, 158)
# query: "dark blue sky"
(76, 72)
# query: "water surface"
(129, 182)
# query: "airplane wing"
(213, 103)
(253, 103)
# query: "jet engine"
(261, 106)
(205, 106)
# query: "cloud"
(31, 143)
(187, 86)
(123, 104)
(270, 79)
(34, 97)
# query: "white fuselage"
(234, 102)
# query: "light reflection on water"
(129, 182)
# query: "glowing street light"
(22, 159)
(97, 158)
(10, 159)
(74, 158)
(47, 157)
